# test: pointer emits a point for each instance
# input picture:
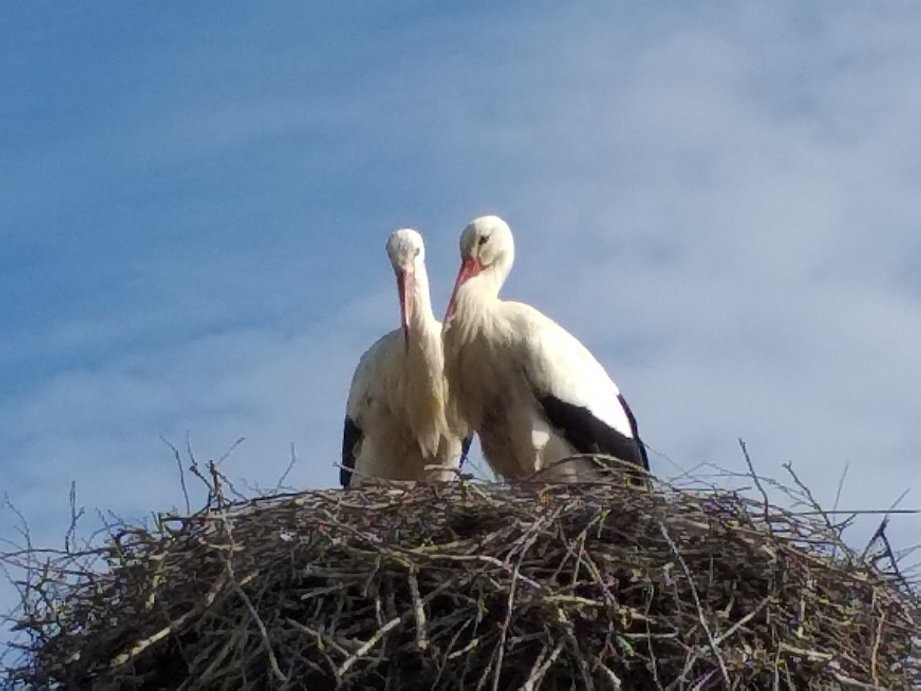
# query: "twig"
(503, 628)
(538, 672)
(812, 500)
(160, 634)
(383, 630)
(284, 476)
(421, 638)
(700, 613)
(875, 653)
(840, 486)
(757, 481)
(228, 565)
(230, 450)
(179, 465)
(743, 621)
(75, 515)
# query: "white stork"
(395, 421)
(531, 390)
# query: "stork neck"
(424, 370)
(477, 295)
(421, 318)
(424, 330)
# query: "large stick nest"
(470, 585)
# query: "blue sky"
(721, 200)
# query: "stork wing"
(465, 449)
(577, 396)
(588, 434)
(351, 437)
(644, 459)
(361, 391)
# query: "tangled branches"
(470, 585)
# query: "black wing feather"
(351, 436)
(465, 449)
(634, 430)
(588, 434)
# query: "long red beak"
(405, 286)
(470, 267)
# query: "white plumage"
(530, 389)
(395, 422)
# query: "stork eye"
(482, 240)
(416, 253)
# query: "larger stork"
(395, 422)
(531, 390)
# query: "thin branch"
(75, 515)
(284, 476)
(751, 469)
(714, 648)
(180, 466)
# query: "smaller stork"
(395, 422)
(529, 388)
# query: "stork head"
(407, 253)
(488, 250)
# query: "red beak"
(469, 268)
(405, 286)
